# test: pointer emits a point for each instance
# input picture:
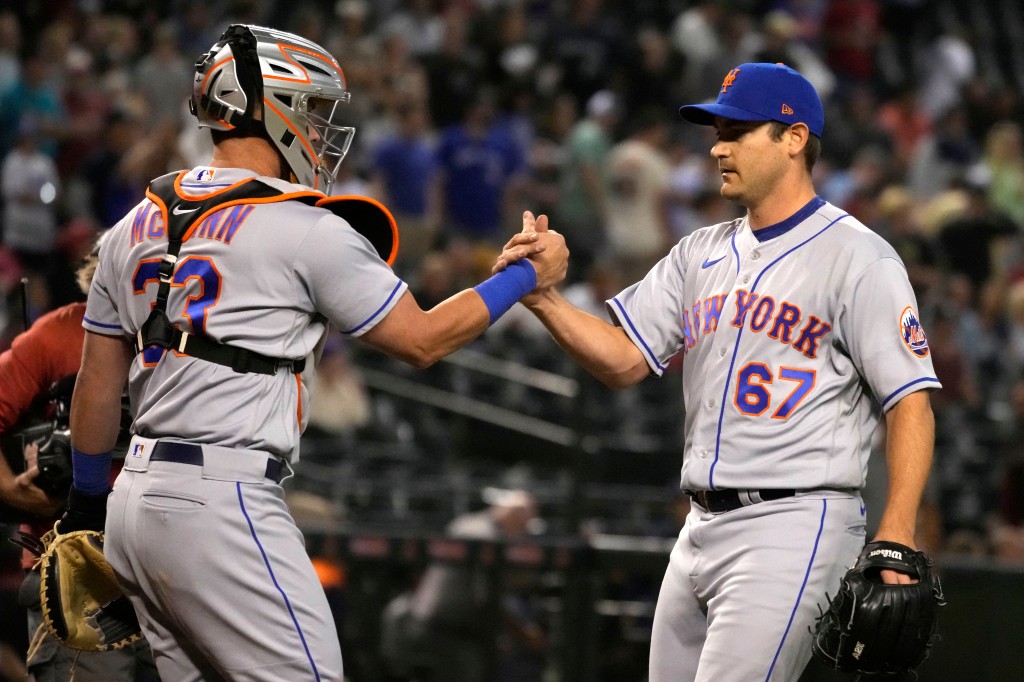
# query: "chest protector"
(183, 213)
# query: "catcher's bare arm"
(910, 438)
(96, 403)
(421, 338)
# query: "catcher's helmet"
(281, 86)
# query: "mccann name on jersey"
(149, 222)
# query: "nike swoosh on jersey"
(708, 263)
(177, 210)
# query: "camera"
(54, 459)
(47, 424)
(54, 462)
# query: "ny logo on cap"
(730, 78)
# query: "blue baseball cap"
(762, 92)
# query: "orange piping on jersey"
(202, 292)
(200, 197)
(152, 304)
(139, 291)
(266, 200)
(785, 324)
(382, 207)
(298, 386)
(762, 383)
(159, 203)
(189, 299)
(766, 316)
(302, 136)
(312, 54)
(814, 382)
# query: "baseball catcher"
(873, 628)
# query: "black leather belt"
(718, 501)
(187, 453)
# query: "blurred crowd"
(471, 111)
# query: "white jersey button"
(703, 454)
(755, 255)
(722, 351)
(746, 278)
(711, 402)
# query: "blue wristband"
(502, 291)
(92, 472)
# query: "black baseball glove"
(876, 629)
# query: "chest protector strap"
(182, 217)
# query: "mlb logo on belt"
(913, 333)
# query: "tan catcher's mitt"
(83, 605)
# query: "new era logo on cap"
(762, 92)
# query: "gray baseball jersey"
(795, 339)
(794, 344)
(265, 277)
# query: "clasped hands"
(544, 248)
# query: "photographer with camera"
(36, 381)
(41, 438)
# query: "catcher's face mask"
(328, 136)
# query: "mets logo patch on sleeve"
(913, 333)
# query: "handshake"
(544, 248)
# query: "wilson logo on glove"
(873, 628)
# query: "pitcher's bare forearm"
(910, 438)
(601, 348)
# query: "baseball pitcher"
(798, 330)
